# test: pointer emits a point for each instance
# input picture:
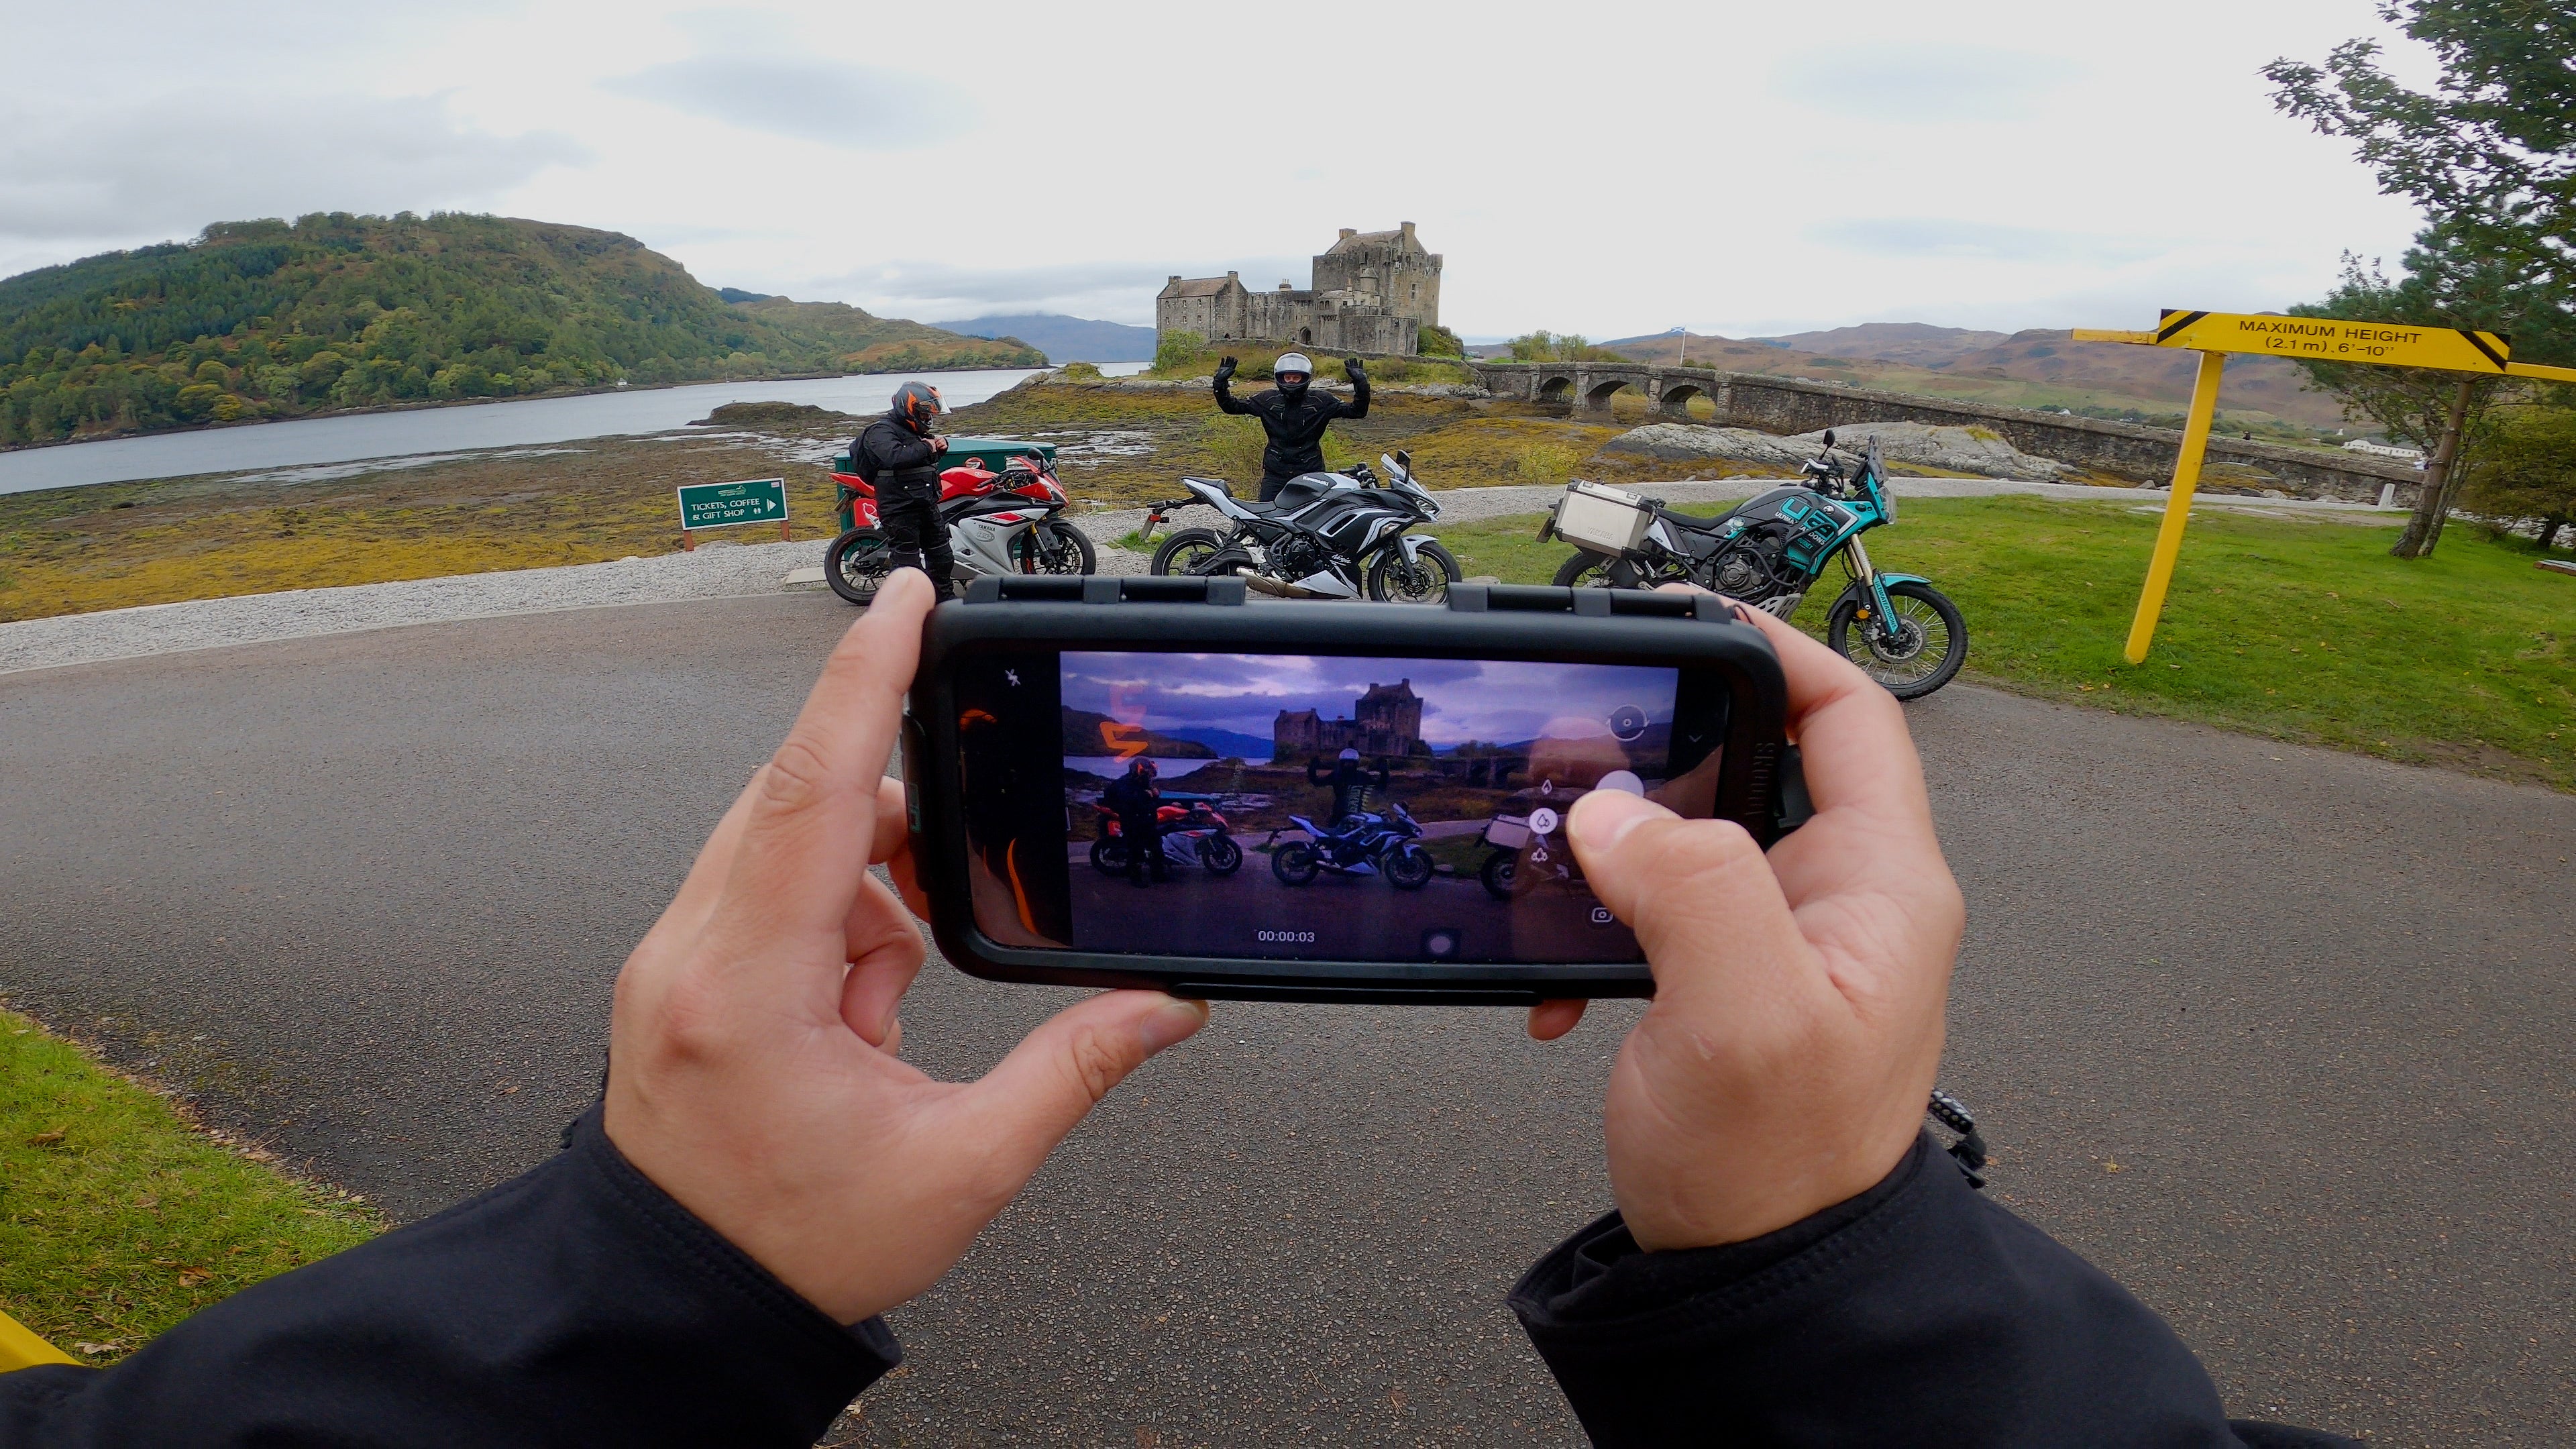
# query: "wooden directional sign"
(2331, 339)
(722, 505)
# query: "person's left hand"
(939, 444)
(1354, 369)
(754, 1074)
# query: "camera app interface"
(1347, 808)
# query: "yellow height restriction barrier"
(20, 1348)
(2317, 339)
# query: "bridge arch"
(1678, 392)
(1598, 389)
(1554, 387)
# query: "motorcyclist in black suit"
(1293, 416)
(1350, 781)
(899, 456)
(1138, 799)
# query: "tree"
(2527, 468)
(2485, 154)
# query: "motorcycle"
(1363, 845)
(1769, 551)
(1192, 834)
(1328, 536)
(1010, 522)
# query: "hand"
(1798, 1004)
(939, 445)
(1355, 370)
(753, 1074)
(1224, 368)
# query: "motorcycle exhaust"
(1278, 590)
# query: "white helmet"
(1292, 362)
(1349, 754)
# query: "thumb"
(1041, 1090)
(1699, 893)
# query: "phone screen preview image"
(1323, 807)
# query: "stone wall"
(1782, 405)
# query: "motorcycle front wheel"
(1588, 570)
(1408, 867)
(1424, 580)
(1220, 855)
(1054, 547)
(857, 563)
(1108, 856)
(1188, 552)
(1294, 863)
(1931, 639)
(1499, 869)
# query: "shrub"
(1547, 463)
(1177, 350)
(1439, 341)
(1078, 372)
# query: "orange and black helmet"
(915, 404)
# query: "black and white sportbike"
(1327, 537)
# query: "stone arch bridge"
(1589, 386)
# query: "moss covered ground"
(119, 1216)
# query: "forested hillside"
(267, 319)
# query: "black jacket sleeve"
(1917, 1313)
(1227, 402)
(1357, 407)
(576, 1304)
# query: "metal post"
(2186, 479)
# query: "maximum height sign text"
(2328, 339)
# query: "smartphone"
(1324, 802)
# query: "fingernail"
(1603, 818)
(1172, 1021)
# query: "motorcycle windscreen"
(1315, 807)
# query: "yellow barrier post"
(2160, 567)
(21, 1348)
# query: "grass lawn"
(2299, 630)
(118, 1217)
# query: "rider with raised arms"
(1293, 415)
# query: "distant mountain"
(1915, 342)
(1228, 744)
(2039, 368)
(261, 319)
(1065, 339)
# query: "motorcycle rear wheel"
(1589, 570)
(1425, 580)
(1220, 855)
(1500, 868)
(1109, 856)
(1054, 547)
(1188, 552)
(857, 563)
(1408, 867)
(1294, 863)
(1933, 640)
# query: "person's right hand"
(1796, 1026)
(939, 445)
(1224, 368)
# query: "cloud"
(171, 163)
(813, 100)
(1924, 83)
(1916, 237)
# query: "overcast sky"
(1742, 168)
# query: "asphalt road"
(366, 895)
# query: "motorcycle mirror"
(1829, 437)
(1404, 460)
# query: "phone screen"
(1319, 807)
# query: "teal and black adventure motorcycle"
(1768, 552)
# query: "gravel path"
(727, 570)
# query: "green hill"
(264, 319)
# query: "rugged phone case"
(1756, 784)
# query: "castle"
(1385, 721)
(1372, 292)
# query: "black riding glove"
(1224, 369)
(1353, 369)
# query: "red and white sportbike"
(1009, 522)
